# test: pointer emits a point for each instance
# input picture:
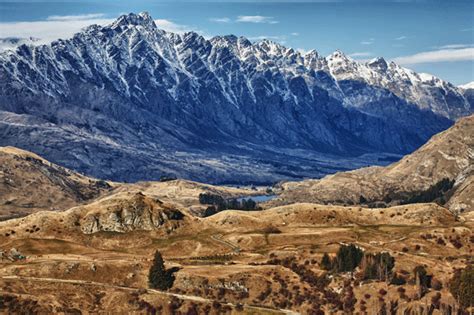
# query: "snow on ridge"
(467, 86)
(139, 30)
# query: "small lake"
(258, 198)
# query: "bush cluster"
(348, 257)
(461, 286)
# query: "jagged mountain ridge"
(131, 92)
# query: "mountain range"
(128, 101)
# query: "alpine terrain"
(128, 101)
(181, 247)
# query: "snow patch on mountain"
(132, 94)
(467, 86)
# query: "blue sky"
(431, 36)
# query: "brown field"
(225, 258)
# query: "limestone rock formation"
(138, 212)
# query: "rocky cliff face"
(129, 101)
(137, 212)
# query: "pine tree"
(422, 280)
(326, 263)
(159, 277)
(348, 257)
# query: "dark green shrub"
(398, 280)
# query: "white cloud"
(256, 19)
(247, 19)
(455, 46)
(370, 41)
(441, 55)
(295, 34)
(360, 54)
(279, 38)
(401, 38)
(221, 20)
(171, 26)
(91, 16)
(47, 31)
(55, 27)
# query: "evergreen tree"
(348, 258)
(211, 210)
(326, 263)
(377, 266)
(159, 277)
(249, 204)
(422, 280)
(233, 204)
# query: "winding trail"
(218, 238)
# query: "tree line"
(217, 204)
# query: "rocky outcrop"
(462, 196)
(136, 213)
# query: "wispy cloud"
(295, 34)
(47, 30)
(369, 41)
(246, 19)
(279, 38)
(220, 20)
(256, 19)
(361, 54)
(440, 55)
(171, 26)
(455, 46)
(401, 37)
(55, 27)
(81, 17)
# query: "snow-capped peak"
(141, 19)
(153, 93)
(378, 64)
(137, 42)
(338, 55)
(467, 86)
